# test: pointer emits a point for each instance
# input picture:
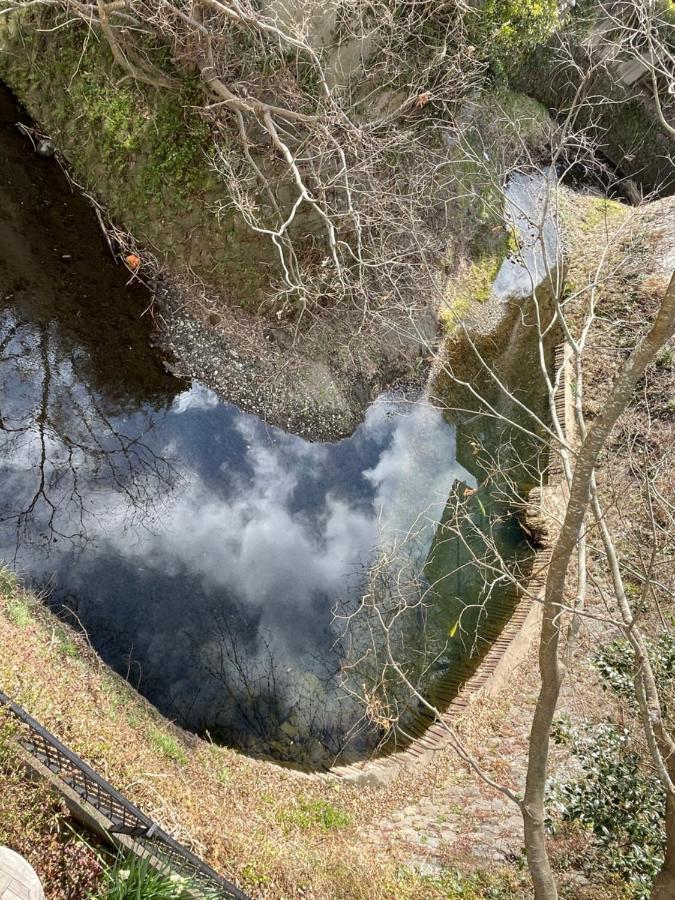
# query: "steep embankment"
(271, 833)
(147, 156)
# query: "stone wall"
(625, 125)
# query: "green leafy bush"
(615, 799)
(509, 29)
(616, 663)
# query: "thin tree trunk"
(550, 666)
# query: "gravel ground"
(314, 387)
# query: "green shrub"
(509, 29)
(617, 801)
(616, 663)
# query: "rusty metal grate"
(122, 816)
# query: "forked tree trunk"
(550, 665)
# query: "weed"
(69, 649)
(167, 745)
(666, 357)
(17, 611)
(253, 876)
(476, 885)
(8, 581)
(475, 286)
(314, 813)
(132, 878)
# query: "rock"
(316, 754)
(289, 729)
(45, 148)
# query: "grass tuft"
(307, 814)
(167, 745)
(132, 878)
(17, 611)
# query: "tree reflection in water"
(59, 439)
(202, 550)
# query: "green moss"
(489, 249)
(144, 153)
(513, 242)
(178, 147)
(152, 144)
(598, 211)
(530, 118)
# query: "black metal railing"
(121, 816)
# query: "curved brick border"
(506, 652)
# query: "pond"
(204, 551)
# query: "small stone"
(45, 148)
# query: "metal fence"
(121, 816)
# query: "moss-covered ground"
(144, 153)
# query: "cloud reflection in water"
(207, 561)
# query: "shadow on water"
(203, 551)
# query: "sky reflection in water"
(202, 550)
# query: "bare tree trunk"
(550, 665)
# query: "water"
(203, 551)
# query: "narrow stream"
(203, 551)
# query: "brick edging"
(506, 651)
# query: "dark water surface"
(203, 551)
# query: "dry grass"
(275, 833)
(37, 825)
